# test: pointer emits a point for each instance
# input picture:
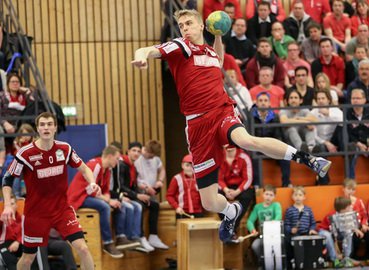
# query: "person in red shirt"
(44, 167)
(316, 9)
(183, 194)
(211, 118)
(361, 16)
(214, 5)
(276, 8)
(235, 179)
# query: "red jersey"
(45, 176)
(77, 190)
(183, 192)
(239, 173)
(196, 71)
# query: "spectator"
(235, 181)
(330, 64)
(238, 44)
(213, 5)
(361, 81)
(322, 83)
(230, 63)
(260, 25)
(79, 196)
(360, 17)
(264, 57)
(275, 92)
(279, 40)
(150, 178)
(262, 114)
(302, 87)
(292, 62)
(230, 9)
(296, 25)
(276, 8)
(317, 9)
(2, 148)
(183, 194)
(125, 183)
(352, 67)
(361, 39)
(301, 136)
(337, 26)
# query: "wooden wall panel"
(84, 48)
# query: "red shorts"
(206, 136)
(36, 229)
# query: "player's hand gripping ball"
(218, 23)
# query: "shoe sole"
(239, 210)
(114, 256)
(325, 169)
(126, 246)
(141, 249)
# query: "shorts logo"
(30, 239)
(52, 171)
(35, 157)
(203, 166)
(59, 155)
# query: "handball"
(218, 23)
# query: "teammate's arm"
(89, 177)
(8, 215)
(142, 54)
(218, 47)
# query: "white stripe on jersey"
(97, 170)
(21, 158)
(180, 190)
(184, 45)
(249, 171)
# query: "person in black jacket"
(262, 114)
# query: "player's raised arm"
(89, 177)
(218, 47)
(142, 54)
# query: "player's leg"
(26, 260)
(84, 254)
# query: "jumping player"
(44, 167)
(211, 119)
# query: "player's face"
(190, 28)
(298, 197)
(46, 128)
(187, 168)
(134, 153)
(113, 160)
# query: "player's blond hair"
(299, 188)
(188, 12)
(110, 150)
(349, 183)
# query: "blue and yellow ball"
(218, 23)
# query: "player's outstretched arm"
(142, 54)
(89, 177)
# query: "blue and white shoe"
(318, 164)
(226, 228)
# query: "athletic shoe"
(155, 241)
(337, 263)
(318, 164)
(112, 251)
(124, 243)
(226, 228)
(145, 244)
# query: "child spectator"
(183, 194)
(264, 211)
(299, 220)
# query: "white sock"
(289, 153)
(229, 210)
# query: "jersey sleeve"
(173, 49)
(73, 159)
(16, 167)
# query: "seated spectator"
(310, 46)
(301, 137)
(238, 92)
(317, 9)
(292, 62)
(330, 64)
(230, 9)
(302, 87)
(299, 220)
(2, 148)
(260, 25)
(352, 67)
(79, 196)
(322, 83)
(276, 8)
(150, 178)
(361, 81)
(361, 39)
(212, 5)
(230, 63)
(183, 194)
(349, 189)
(238, 44)
(264, 211)
(262, 114)
(235, 181)
(279, 40)
(296, 25)
(275, 92)
(360, 17)
(337, 26)
(264, 57)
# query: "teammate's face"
(46, 128)
(191, 28)
(134, 153)
(113, 160)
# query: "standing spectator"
(235, 180)
(352, 67)
(238, 44)
(360, 17)
(330, 64)
(361, 39)
(292, 62)
(262, 114)
(230, 63)
(183, 194)
(302, 87)
(337, 26)
(150, 178)
(361, 81)
(264, 57)
(322, 83)
(276, 8)
(296, 25)
(260, 25)
(238, 92)
(279, 40)
(317, 9)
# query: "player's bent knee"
(81, 247)
(27, 259)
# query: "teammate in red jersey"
(44, 167)
(211, 119)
